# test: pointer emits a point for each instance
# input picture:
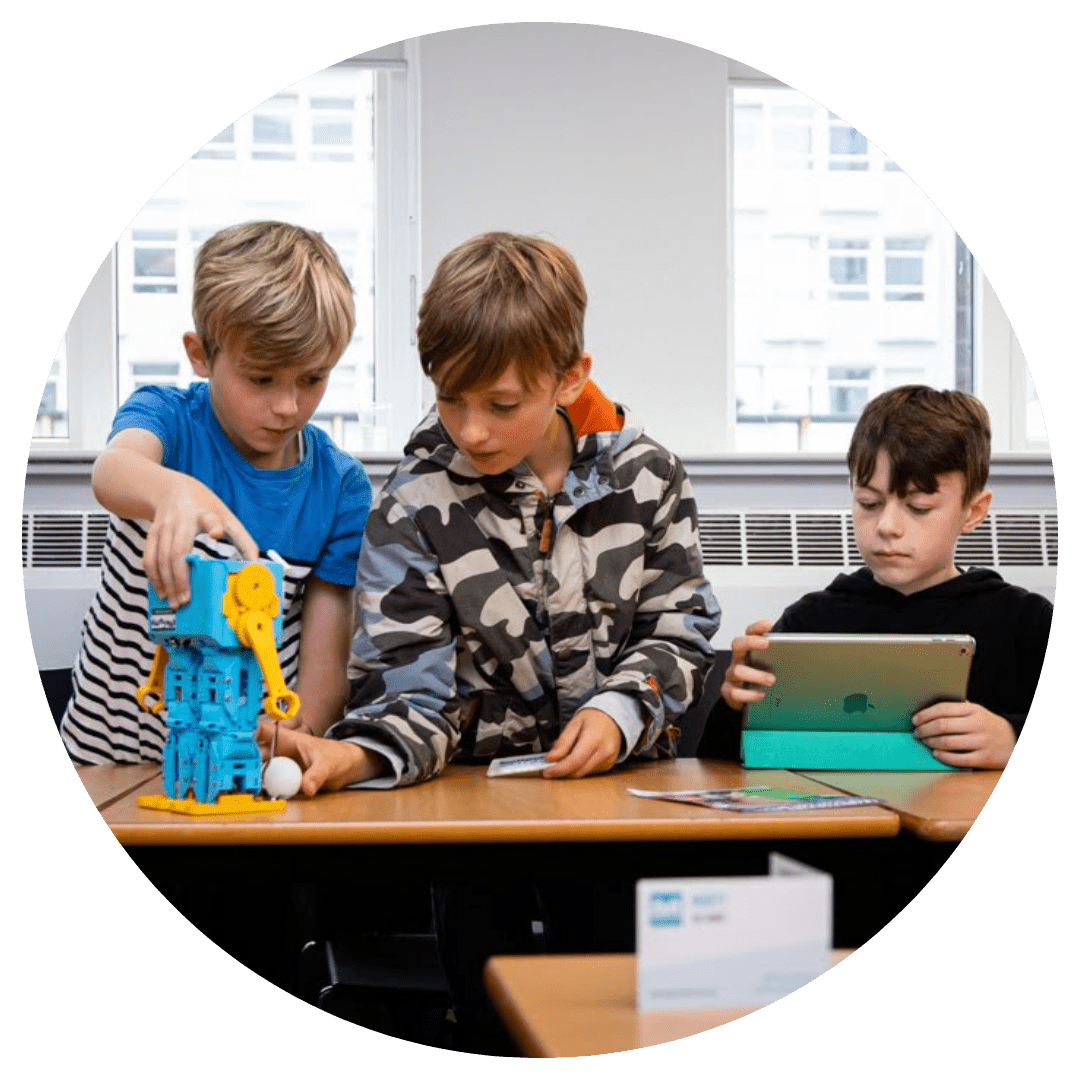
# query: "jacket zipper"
(547, 525)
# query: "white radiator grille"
(827, 538)
(59, 540)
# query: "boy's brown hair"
(924, 433)
(277, 288)
(499, 298)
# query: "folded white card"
(715, 943)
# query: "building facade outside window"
(308, 155)
(844, 278)
(871, 297)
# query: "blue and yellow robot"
(214, 656)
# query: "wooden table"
(932, 805)
(465, 826)
(571, 1006)
(107, 783)
(465, 806)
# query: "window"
(882, 294)
(153, 260)
(52, 417)
(332, 120)
(274, 175)
(847, 146)
(847, 271)
(322, 154)
(904, 269)
(849, 391)
(820, 285)
(272, 128)
(221, 147)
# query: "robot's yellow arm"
(250, 605)
(156, 682)
(256, 631)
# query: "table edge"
(205, 833)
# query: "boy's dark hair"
(499, 298)
(276, 287)
(924, 433)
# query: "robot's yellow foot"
(226, 804)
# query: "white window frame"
(1001, 373)
(92, 333)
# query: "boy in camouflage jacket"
(531, 578)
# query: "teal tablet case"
(845, 701)
(875, 750)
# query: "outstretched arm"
(130, 480)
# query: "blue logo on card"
(665, 908)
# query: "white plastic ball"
(281, 778)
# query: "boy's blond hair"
(277, 288)
(925, 433)
(501, 298)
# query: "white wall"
(611, 143)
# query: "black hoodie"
(1010, 626)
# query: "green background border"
(973, 100)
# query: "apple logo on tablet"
(857, 703)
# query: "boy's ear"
(977, 510)
(196, 354)
(573, 382)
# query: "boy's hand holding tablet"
(740, 679)
(964, 734)
(960, 733)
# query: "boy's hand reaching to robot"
(130, 480)
(185, 509)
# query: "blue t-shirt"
(311, 514)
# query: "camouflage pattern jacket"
(489, 612)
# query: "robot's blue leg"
(170, 764)
(235, 764)
(247, 762)
(182, 709)
(191, 776)
(211, 769)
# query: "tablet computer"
(845, 701)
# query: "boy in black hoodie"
(919, 461)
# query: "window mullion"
(91, 345)
(398, 382)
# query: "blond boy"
(229, 467)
